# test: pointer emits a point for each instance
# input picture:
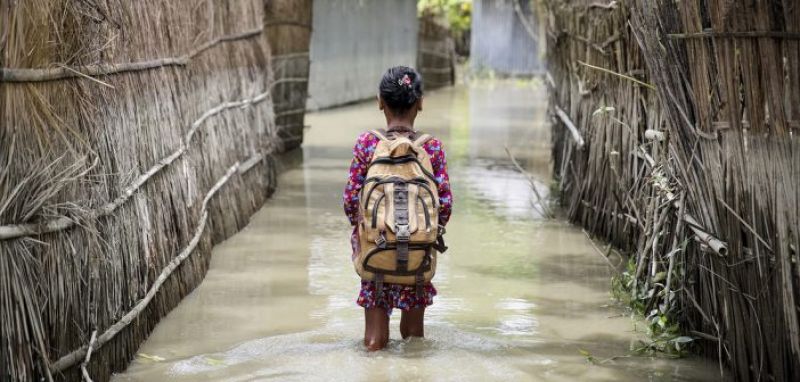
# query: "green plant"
(663, 332)
(457, 13)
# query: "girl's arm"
(439, 162)
(362, 154)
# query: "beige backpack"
(399, 204)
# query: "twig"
(542, 203)
(748, 226)
(599, 252)
(576, 135)
(629, 78)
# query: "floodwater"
(520, 297)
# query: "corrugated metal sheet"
(500, 41)
(354, 42)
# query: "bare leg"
(412, 323)
(376, 328)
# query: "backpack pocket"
(392, 204)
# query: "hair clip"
(406, 80)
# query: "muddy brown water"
(520, 297)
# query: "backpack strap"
(421, 139)
(380, 134)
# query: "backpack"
(399, 207)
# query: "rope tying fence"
(63, 72)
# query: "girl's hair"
(400, 88)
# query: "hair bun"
(401, 88)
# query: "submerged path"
(519, 297)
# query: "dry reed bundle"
(690, 113)
(435, 52)
(133, 136)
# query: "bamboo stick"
(576, 135)
(85, 363)
(717, 245)
(673, 252)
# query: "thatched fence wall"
(288, 29)
(676, 140)
(133, 136)
(436, 57)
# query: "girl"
(400, 99)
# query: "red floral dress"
(394, 295)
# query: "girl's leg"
(411, 323)
(376, 328)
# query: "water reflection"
(519, 296)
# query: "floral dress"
(394, 295)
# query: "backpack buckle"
(380, 241)
(403, 232)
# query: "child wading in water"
(400, 99)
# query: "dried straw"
(702, 100)
(107, 169)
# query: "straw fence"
(288, 29)
(435, 52)
(133, 136)
(675, 139)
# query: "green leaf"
(683, 339)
